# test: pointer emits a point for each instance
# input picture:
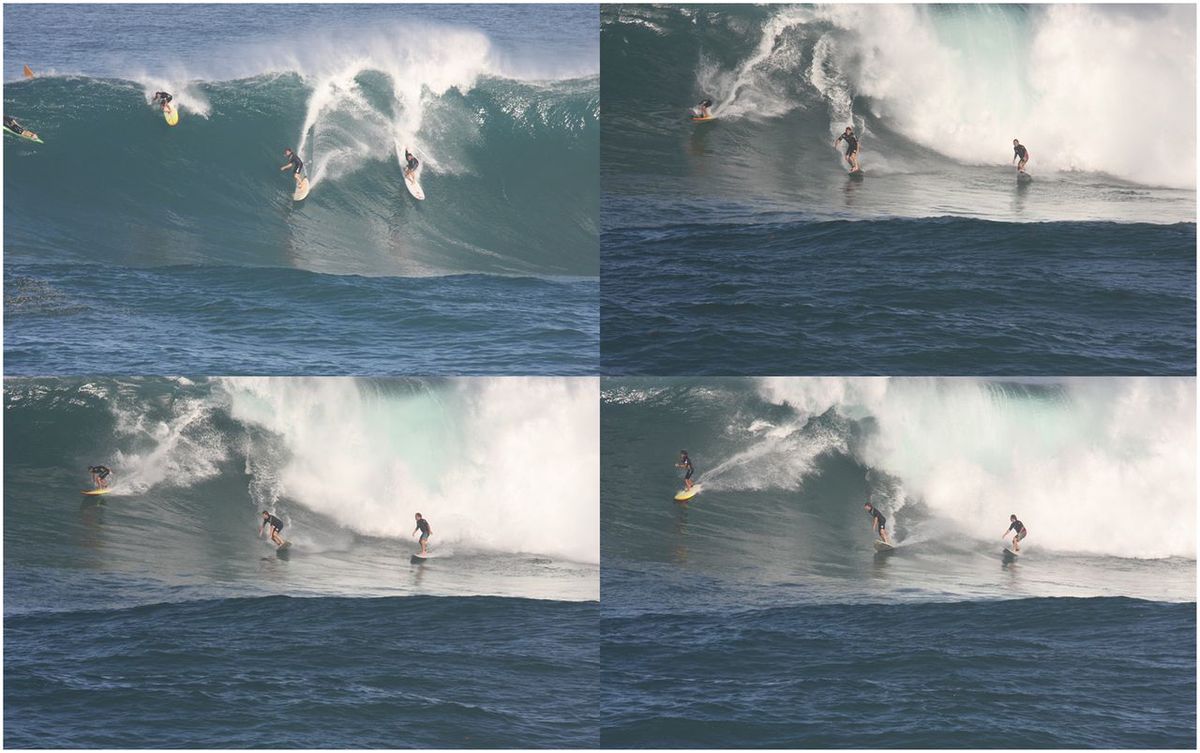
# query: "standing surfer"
(686, 463)
(164, 98)
(1020, 153)
(100, 474)
(878, 522)
(426, 531)
(851, 148)
(411, 163)
(294, 161)
(702, 108)
(1019, 532)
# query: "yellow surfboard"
(96, 492)
(683, 495)
(171, 114)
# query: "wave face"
(1102, 471)
(507, 132)
(510, 172)
(341, 673)
(501, 467)
(937, 94)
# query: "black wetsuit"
(297, 162)
(1019, 527)
(686, 462)
(12, 125)
(275, 523)
(706, 103)
(101, 471)
(1020, 152)
(163, 96)
(424, 526)
(878, 516)
(412, 162)
(851, 143)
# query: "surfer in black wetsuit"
(1019, 532)
(411, 163)
(878, 522)
(163, 97)
(276, 526)
(851, 147)
(686, 463)
(426, 531)
(294, 161)
(12, 125)
(1020, 153)
(702, 108)
(100, 474)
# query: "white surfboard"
(1010, 553)
(413, 182)
(301, 192)
(883, 546)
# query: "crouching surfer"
(276, 526)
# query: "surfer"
(878, 522)
(702, 108)
(295, 162)
(100, 474)
(411, 163)
(1020, 153)
(686, 463)
(851, 147)
(164, 97)
(276, 526)
(423, 527)
(1019, 532)
(12, 125)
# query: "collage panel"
(301, 562)
(301, 189)
(898, 563)
(898, 189)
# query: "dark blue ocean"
(134, 247)
(741, 245)
(156, 616)
(759, 614)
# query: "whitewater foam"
(505, 465)
(1100, 466)
(1088, 88)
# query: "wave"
(510, 167)
(1080, 85)
(505, 470)
(1096, 468)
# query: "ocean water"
(759, 614)
(182, 246)
(744, 235)
(159, 607)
